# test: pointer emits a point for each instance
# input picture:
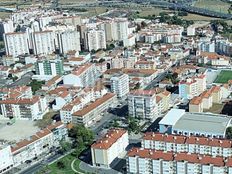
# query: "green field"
(223, 77)
(215, 5)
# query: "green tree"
(65, 146)
(60, 165)
(81, 135)
(133, 125)
(229, 133)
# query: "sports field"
(224, 76)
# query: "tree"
(101, 60)
(229, 133)
(81, 135)
(60, 165)
(133, 125)
(143, 24)
(65, 146)
(137, 86)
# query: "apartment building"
(143, 64)
(78, 103)
(109, 147)
(69, 41)
(82, 76)
(187, 144)
(206, 99)
(142, 104)
(213, 59)
(95, 39)
(224, 47)
(16, 44)
(40, 143)
(23, 108)
(6, 26)
(92, 112)
(43, 42)
(120, 84)
(49, 67)
(6, 160)
(141, 160)
(192, 87)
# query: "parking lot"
(17, 131)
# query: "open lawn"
(215, 5)
(223, 77)
(216, 108)
(65, 168)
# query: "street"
(25, 80)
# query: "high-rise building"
(43, 42)
(16, 44)
(69, 41)
(49, 67)
(6, 27)
(142, 104)
(120, 84)
(95, 39)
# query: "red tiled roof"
(109, 139)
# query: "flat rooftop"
(172, 117)
(203, 122)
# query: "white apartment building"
(82, 76)
(40, 143)
(121, 28)
(111, 146)
(147, 161)
(91, 112)
(6, 27)
(69, 41)
(95, 39)
(192, 87)
(187, 144)
(120, 84)
(142, 104)
(191, 30)
(16, 44)
(43, 42)
(23, 108)
(6, 160)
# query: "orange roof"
(109, 139)
(149, 153)
(29, 101)
(188, 139)
(143, 92)
(196, 101)
(81, 69)
(215, 89)
(158, 99)
(93, 105)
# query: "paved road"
(25, 80)
(39, 165)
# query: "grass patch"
(214, 5)
(66, 169)
(216, 108)
(54, 169)
(223, 77)
(47, 119)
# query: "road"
(25, 80)
(39, 165)
(155, 82)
